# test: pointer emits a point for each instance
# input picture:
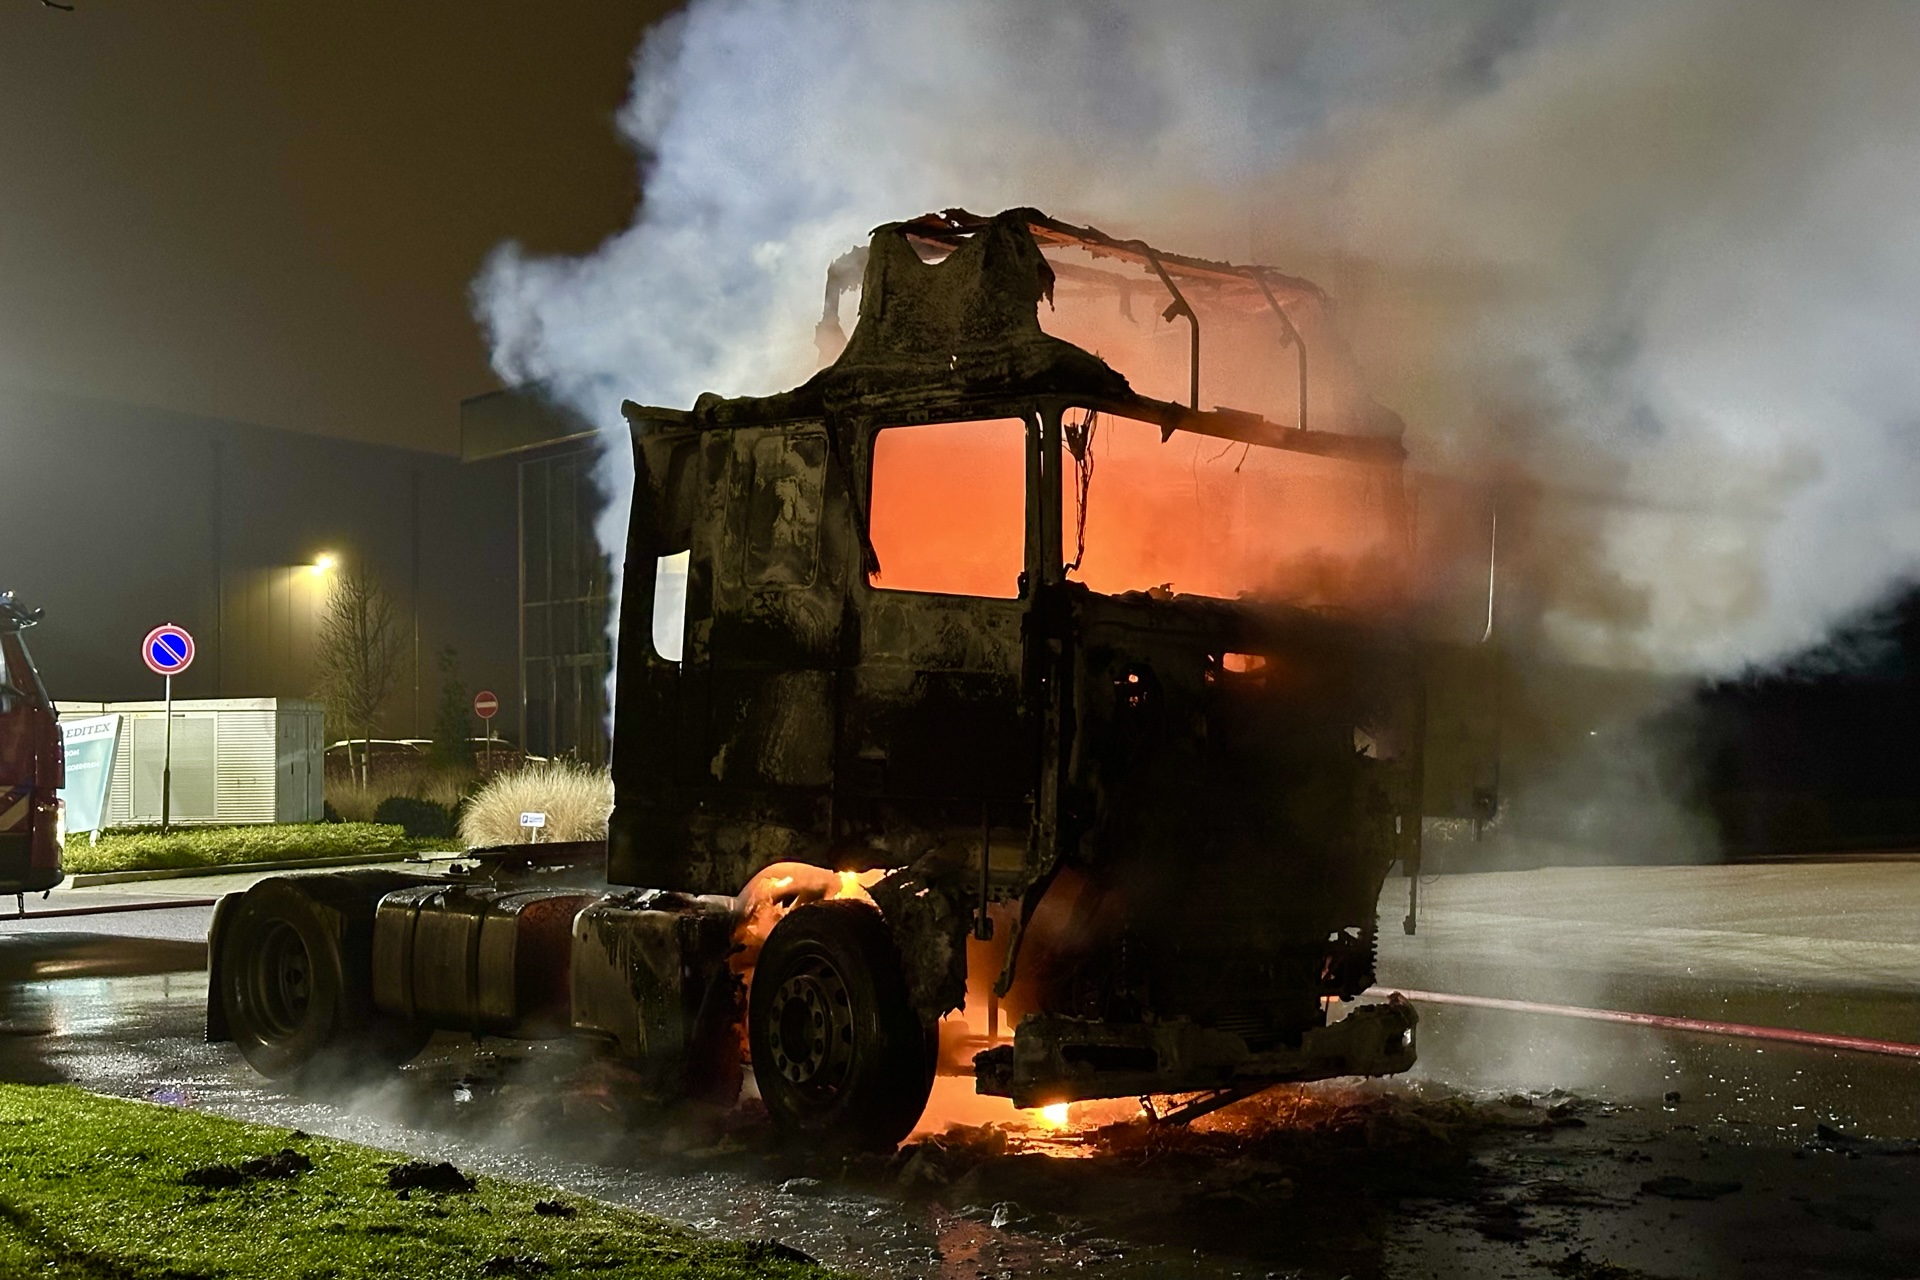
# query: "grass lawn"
(146, 849)
(102, 1187)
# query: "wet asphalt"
(1586, 1146)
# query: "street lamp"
(325, 562)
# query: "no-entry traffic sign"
(485, 705)
(167, 650)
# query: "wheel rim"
(810, 1030)
(281, 978)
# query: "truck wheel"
(839, 1054)
(296, 993)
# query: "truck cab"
(968, 610)
(975, 711)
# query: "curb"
(87, 879)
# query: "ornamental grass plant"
(575, 798)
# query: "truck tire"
(296, 991)
(839, 1054)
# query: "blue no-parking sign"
(167, 650)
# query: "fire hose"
(166, 905)
(1663, 1022)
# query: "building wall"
(115, 518)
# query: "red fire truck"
(32, 763)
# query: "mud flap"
(930, 929)
(223, 910)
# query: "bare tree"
(359, 654)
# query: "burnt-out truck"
(966, 680)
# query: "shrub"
(144, 848)
(575, 798)
(357, 801)
(453, 717)
(446, 785)
(422, 819)
(352, 800)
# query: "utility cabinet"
(235, 760)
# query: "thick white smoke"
(1661, 253)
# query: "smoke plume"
(1651, 270)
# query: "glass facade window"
(565, 653)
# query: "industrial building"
(118, 517)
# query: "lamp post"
(320, 571)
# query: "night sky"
(272, 212)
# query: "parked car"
(379, 753)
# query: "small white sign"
(535, 820)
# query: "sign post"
(487, 706)
(167, 650)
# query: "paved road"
(1829, 947)
(186, 925)
(121, 1012)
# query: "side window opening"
(670, 604)
(948, 512)
(1192, 514)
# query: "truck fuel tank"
(476, 958)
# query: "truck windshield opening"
(949, 508)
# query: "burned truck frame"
(1146, 829)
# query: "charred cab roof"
(949, 315)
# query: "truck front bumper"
(1062, 1059)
